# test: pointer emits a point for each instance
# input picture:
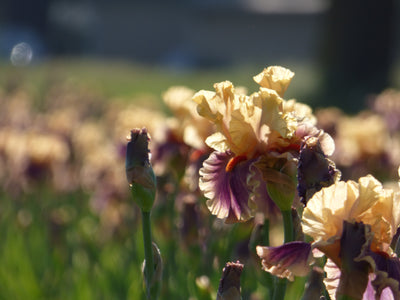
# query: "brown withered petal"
(315, 170)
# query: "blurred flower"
(31, 155)
(328, 118)
(364, 142)
(183, 135)
(359, 137)
(190, 126)
(133, 116)
(387, 104)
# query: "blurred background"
(347, 49)
(76, 76)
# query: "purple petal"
(227, 190)
(386, 269)
(289, 260)
(371, 294)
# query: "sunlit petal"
(286, 261)
(227, 190)
(275, 78)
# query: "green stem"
(148, 251)
(280, 284)
(287, 226)
(280, 289)
(265, 233)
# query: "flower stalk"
(142, 181)
(148, 252)
(287, 226)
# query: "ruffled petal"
(225, 185)
(324, 214)
(375, 207)
(370, 192)
(275, 78)
(332, 278)
(242, 133)
(286, 261)
(206, 107)
(218, 142)
(272, 114)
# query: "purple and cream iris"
(257, 141)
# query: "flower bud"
(139, 172)
(229, 286)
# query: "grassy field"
(124, 79)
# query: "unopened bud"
(229, 286)
(139, 172)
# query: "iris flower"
(353, 224)
(257, 139)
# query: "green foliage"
(44, 257)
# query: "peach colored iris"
(363, 201)
(247, 128)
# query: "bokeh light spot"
(21, 54)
